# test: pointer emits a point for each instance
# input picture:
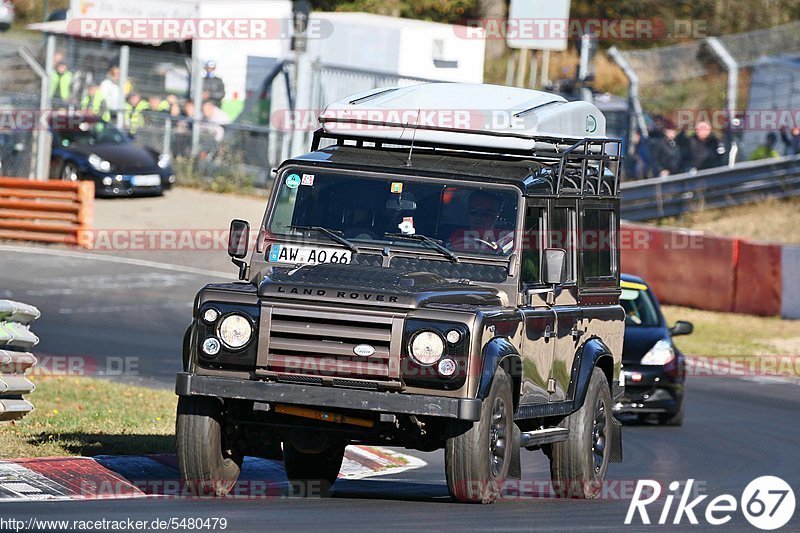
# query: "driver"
(483, 212)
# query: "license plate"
(148, 180)
(308, 255)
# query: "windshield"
(639, 309)
(92, 133)
(466, 219)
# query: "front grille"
(305, 342)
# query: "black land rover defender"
(414, 291)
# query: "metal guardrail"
(16, 340)
(713, 188)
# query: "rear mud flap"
(515, 466)
(615, 449)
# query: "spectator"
(666, 151)
(792, 141)
(61, 83)
(94, 103)
(134, 111)
(766, 150)
(215, 119)
(111, 90)
(158, 105)
(705, 150)
(213, 86)
(212, 113)
(639, 166)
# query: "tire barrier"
(694, 269)
(45, 211)
(16, 341)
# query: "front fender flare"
(593, 353)
(500, 352)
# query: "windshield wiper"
(330, 234)
(427, 240)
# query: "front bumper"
(188, 384)
(650, 389)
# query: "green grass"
(86, 416)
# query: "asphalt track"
(736, 429)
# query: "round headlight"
(453, 336)
(426, 347)
(210, 315)
(211, 346)
(235, 331)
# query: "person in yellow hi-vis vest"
(61, 83)
(95, 103)
(134, 111)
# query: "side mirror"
(554, 266)
(681, 327)
(238, 238)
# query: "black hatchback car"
(653, 367)
(88, 148)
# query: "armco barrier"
(692, 268)
(45, 211)
(16, 341)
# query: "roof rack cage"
(588, 167)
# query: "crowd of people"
(108, 99)
(667, 150)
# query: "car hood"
(124, 158)
(372, 285)
(639, 340)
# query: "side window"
(599, 249)
(562, 235)
(532, 244)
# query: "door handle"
(549, 332)
(577, 332)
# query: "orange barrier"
(45, 211)
(758, 279)
(682, 267)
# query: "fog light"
(453, 336)
(107, 181)
(211, 346)
(210, 315)
(447, 367)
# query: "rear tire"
(578, 465)
(476, 462)
(313, 474)
(206, 465)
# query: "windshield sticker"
(308, 179)
(292, 181)
(407, 226)
(397, 187)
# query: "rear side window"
(562, 235)
(598, 246)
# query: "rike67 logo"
(767, 502)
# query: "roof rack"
(589, 167)
(566, 139)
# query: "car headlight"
(163, 161)
(235, 331)
(426, 347)
(99, 163)
(660, 354)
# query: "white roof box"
(464, 114)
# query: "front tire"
(476, 462)
(672, 419)
(207, 466)
(578, 465)
(69, 172)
